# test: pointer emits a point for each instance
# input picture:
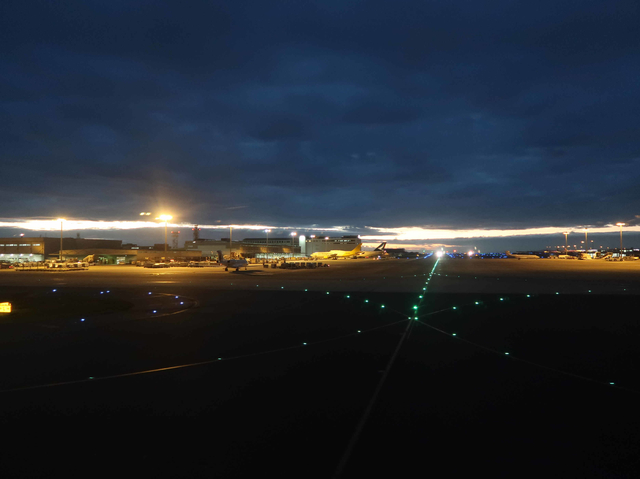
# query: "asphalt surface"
(199, 372)
(455, 276)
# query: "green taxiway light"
(366, 300)
(454, 334)
(506, 354)
(455, 307)
(415, 307)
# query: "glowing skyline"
(377, 233)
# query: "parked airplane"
(379, 251)
(521, 256)
(232, 263)
(337, 253)
(563, 256)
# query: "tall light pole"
(61, 220)
(620, 225)
(586, 243)
(566, 233)
(293, 235)
(267, 231)
(166, 219)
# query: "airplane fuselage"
(337, 253)
(521, 256)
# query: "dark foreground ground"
(273, 405)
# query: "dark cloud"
(407, 113)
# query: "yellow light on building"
(5, 307)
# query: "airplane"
(521, 256)
(379, 251)
(562, 256)
(337, 253)
(232, 263)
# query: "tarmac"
(514, 368)
(544, 276)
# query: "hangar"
(22, 249)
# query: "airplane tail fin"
(508, 252)
(381, 247)
(357, 248)
(220, 257)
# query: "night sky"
(450, 115)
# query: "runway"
(197, 372)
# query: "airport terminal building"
(37, 249)
(247, 248)
(272, 248)
(27, 249)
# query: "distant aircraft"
(521, 256)
(232, 263)
(562, 256)
(337, 253)
(379, 251)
